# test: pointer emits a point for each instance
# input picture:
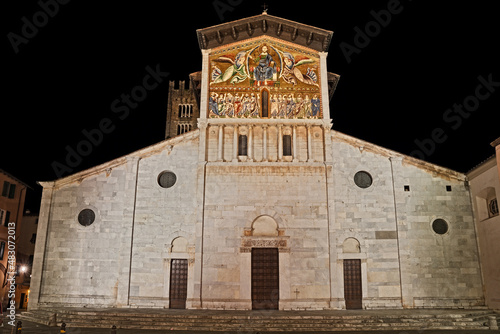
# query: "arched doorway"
(178, 275)
(353, 292)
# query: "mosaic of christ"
(262, 65)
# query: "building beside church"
(12, 199)
(484, 181)
(261, 205)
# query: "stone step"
(262, 321)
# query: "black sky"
(395, 90)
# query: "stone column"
(309, 144)
(325, 98)
(205, 83)
(280, 142)
(264, 151)
(220, 152)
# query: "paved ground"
(32, 328)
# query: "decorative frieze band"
(279, 242)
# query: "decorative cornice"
(265, 25)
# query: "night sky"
(417, 77)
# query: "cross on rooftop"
(265, 7)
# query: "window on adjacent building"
(487, 204)
(6, 217)
(493, 207)
(2, 249)
(8, 190)
(2, 216)
(5, 189)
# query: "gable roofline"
(15, 179)
(107, 166)
(428, 167)
(264, 25)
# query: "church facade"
(263, 205)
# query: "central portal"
(265, 278)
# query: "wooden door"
(352, 284)
(178, 284)
(265, 278)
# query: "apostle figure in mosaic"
(315, 106)
(222, 105)
(234, 74)
(246, 106)
(254, 106)
(213, 105)
(282, 106)
(290, 107)
(274, 106)
(307, 107)
(238, 106)
(229, 105)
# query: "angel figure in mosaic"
(292, 75)
(235, 74)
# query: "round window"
(167, 179)
(440, 226)
(86, 217)
(363, 179)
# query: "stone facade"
(318, 197)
